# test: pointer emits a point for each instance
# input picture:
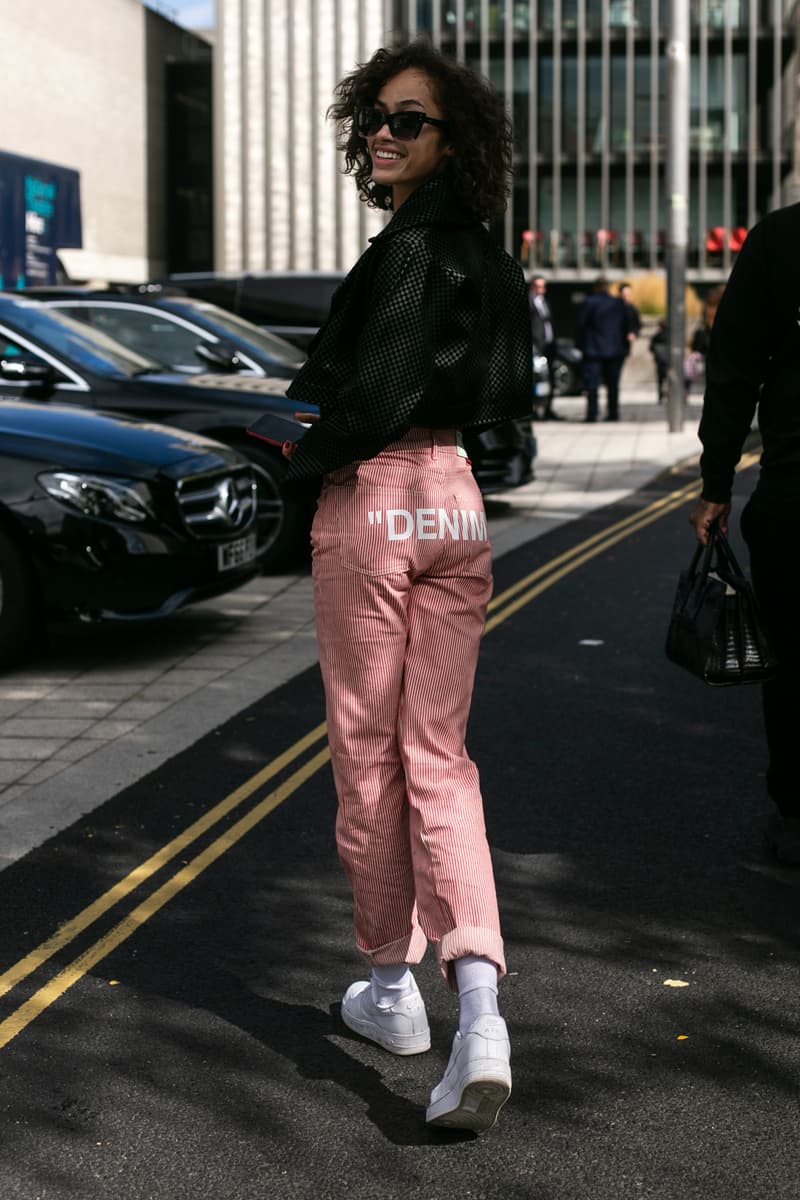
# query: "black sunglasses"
(403, 126)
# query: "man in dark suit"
(602, 335)
(542, 336)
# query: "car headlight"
(540, 364)
(98, 495)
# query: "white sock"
(477, 990)
(390, 983)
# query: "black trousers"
(608, 370)
(770, 539)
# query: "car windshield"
(83, 347)
(243, 331)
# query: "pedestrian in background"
(753, 365)
(633, 320)
(601, 334)
(543, 337)
(659, 348)
(428, 335)
(702, 334)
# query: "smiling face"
(404, 166)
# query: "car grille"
(214, 505)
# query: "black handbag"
(716, 630)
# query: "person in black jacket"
(428, 335)
(753, 366)
(543, 337)
(633, 320)
(601, 334)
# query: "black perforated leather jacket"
(431, 327)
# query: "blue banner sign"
(40, 213)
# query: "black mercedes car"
(291, 304)
(47, 356)
(107, 518)
(182, 333)
(501, 457)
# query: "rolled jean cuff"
(410, 949)
(466, 939)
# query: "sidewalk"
(108, 704)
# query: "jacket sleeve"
(736, 366)
(413, 323)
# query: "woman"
(428, 335)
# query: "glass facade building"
(585, 83)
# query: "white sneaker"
(401, 1029)
(477, 1081)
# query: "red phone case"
(276, 430)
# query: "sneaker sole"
(395, 1043)
(476, 1108)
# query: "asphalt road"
(182, 1040)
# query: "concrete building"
(585, 82)
(281, 201)
(88, 84)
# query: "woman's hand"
(289, 449)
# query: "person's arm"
(738, 357)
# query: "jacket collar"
(433, 203)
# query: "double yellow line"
(501, 608)
(524, 590)
(60, 983)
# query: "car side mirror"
(221, 355)
(20, 370)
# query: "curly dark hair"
(478, 126)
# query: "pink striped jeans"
(402, 577)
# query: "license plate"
(543, 388)
(236, 554)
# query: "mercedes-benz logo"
(227, 506)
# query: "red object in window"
(738, 234)
(715, 240)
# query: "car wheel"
(283, 525)
(562, 379)
(18, 606)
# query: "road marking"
(549, 573)
(598, 546)
(656, 506)
(69, 931)
(541, 579)
(32, 1008)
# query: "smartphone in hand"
(276, 430)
